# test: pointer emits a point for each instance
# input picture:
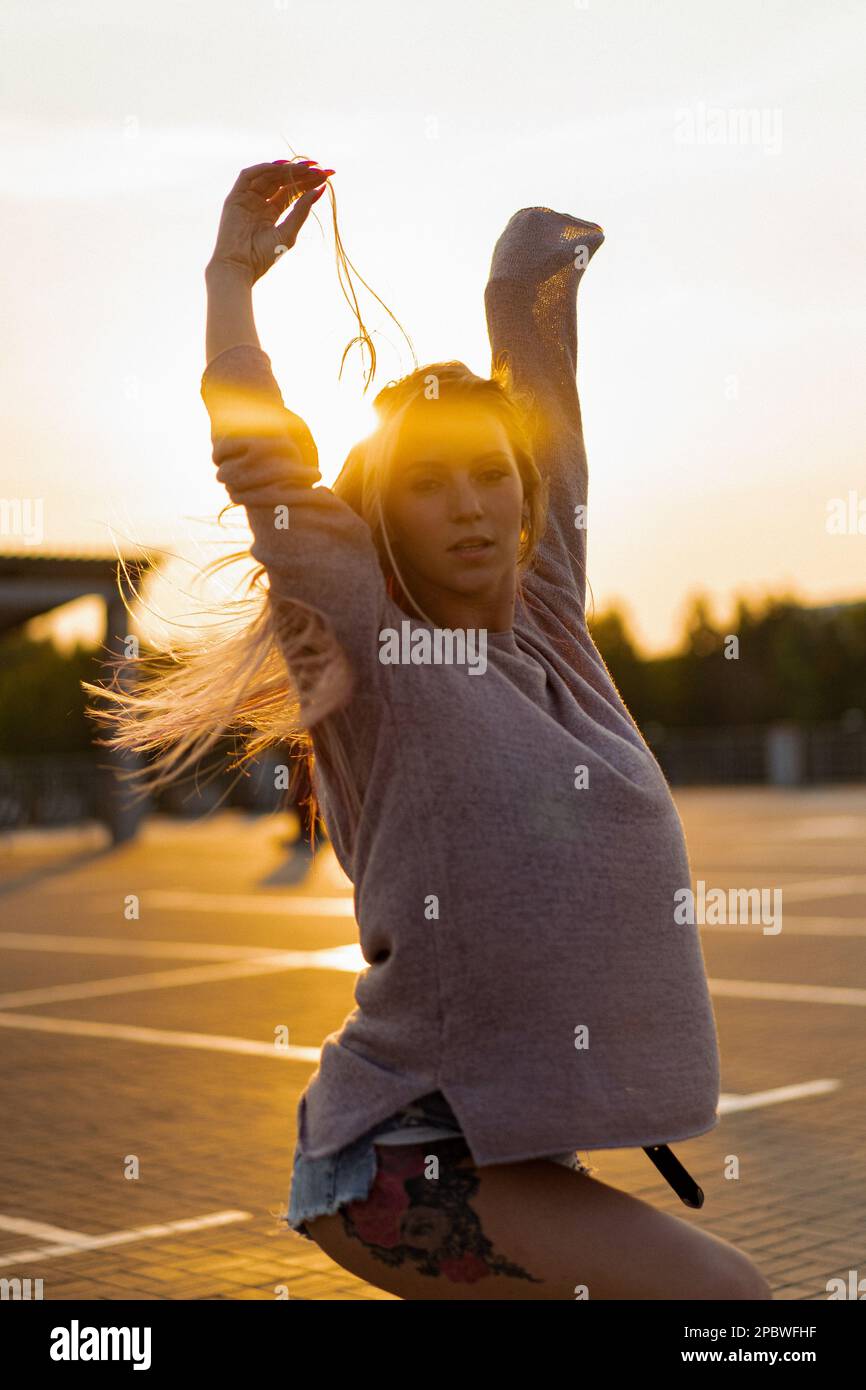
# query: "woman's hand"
(247, 239)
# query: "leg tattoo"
(410, 1215)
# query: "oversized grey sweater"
(517, 913)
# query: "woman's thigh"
(435, 1226)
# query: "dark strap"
(674, 1173)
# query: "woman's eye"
(489, 475)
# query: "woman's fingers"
(280, 200)
(248, 233)
(286, 233)
(286, 193)
(276, 175)
(264, 180)
(255, 172)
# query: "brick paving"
(109, 1134)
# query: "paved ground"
(150, 1118)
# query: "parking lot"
(162, 1006)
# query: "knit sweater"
(517, 852)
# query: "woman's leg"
(435, 1226)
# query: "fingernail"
(279, 161)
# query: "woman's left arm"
(531, 306)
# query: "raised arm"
(317, 551)
(531, 306)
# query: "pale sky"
(721, 324)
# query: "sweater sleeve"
(531, 307)
(317, 551)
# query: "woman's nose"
(465, 500)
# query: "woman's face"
(454, 477)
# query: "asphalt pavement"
(162, 1005)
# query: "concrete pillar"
(785, 755)
(125, 808)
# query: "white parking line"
(191, 975)
(808, 888)
(729, 1104)
(258, 903)
(801, 994)
(347, 959)
(128, 946)
(73, 1241)
(214, 1042)
(161, 1037)
(249, 904)
(799, 926)
(41, 1230)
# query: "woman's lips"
(471, 547)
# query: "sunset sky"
(721, 324)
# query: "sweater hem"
(329, 1148)
(638, 1139)
(485, 1157)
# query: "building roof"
(33, 582)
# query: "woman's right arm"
(317, 550)
(230, 319)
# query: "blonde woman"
(513, 845)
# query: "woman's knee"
(749, 1283)
(727, 1273)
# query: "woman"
(514, 847)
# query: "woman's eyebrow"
(442, 463)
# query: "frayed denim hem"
(321, 1186)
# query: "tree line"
(778, 660)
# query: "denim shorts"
(322, 1185)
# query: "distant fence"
(55, 790)
(783, 755)
(63, 789)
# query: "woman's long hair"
(266, 677)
